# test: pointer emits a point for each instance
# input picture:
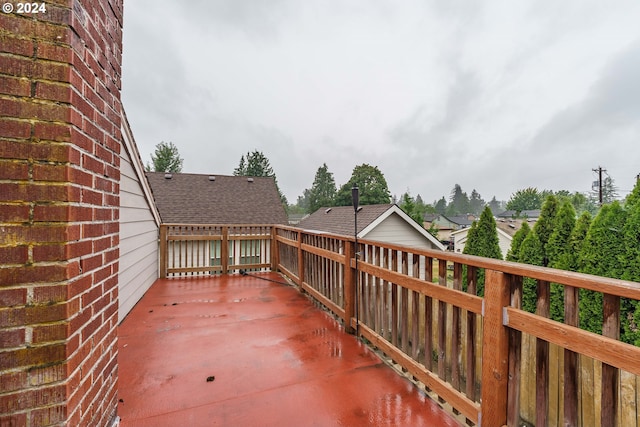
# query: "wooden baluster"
(610, 374)
(379, 300)
(571, 317)
(428, 317)
(224, 250)
(404, 312)
(515, 356)
(349, 286)
(442, 322)
(163, 251)
(394, 301)
(542, 357)
(300, 260)
(455, 329)
(415, 313)
(472, 277)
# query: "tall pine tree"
(546, 224)
(530, 253)
(482, 240)
(323, 190)
(514, 251)
(601, 256)
(557, 248)
(630, 316)
(570, 260)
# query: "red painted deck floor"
(241, 351)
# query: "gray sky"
(495, 96)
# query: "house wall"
(505, 244)
(396, 230)
(59, 207)
(138, 238)
(460, 240)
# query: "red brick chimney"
(59, 209)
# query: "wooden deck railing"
(198, 249)
(475, 353)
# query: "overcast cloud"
(494, 96)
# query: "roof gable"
(131, 150)
(216, 199)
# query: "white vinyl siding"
(397, 231)
(138, 239)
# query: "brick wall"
(59, 205)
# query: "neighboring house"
(384, 223)
(294, 219)
(532, 214)
(139, 225)
(447, 224)
(459, 238)
(184, 198)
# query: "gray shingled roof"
(195, 199)
(339, 219)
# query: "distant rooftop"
(340, 219)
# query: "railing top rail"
(217, 225)
(605, 285)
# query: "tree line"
(374, 189)
(607, 245)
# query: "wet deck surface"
(271, 357)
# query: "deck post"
(163, 251)
(275, 254)
(224, 250)
(495, 350)
(610, 374)
(300, 260)
(349, 285)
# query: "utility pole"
(599, 170)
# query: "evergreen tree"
(482, 240)
(257, 164)
(421, 208)
(570, 259)
(372, 184)
(545, 225)
(634, 197)
(558, 244)
(630, 310)
(609, 191)
(582, 203)
(303, 201)
(530, 253)
(323, 190)
(557, 248)
(601, 256)
(458, 202)
(476, 203)
(441, 206)
(514, 251)
(408, 205)
(254, 163)
(495, 206)
(166, 158)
